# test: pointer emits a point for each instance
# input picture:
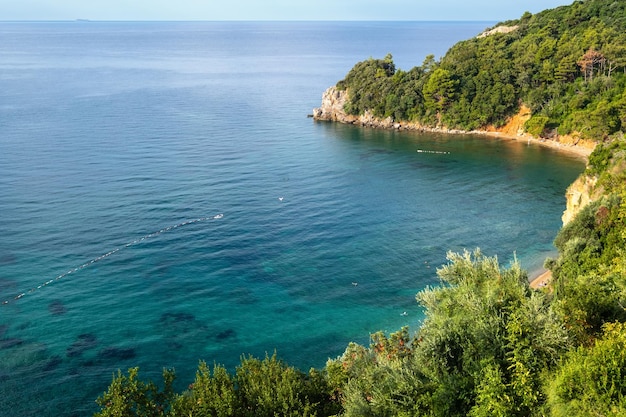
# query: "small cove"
(108, 137)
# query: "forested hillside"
(490, 344)
(568, 65)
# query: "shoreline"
(572, 149)
(334, 100)
(542, 280)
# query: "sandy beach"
(541, 281)
(582, 151)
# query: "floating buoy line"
(112, 252)
(439, 152)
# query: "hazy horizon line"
(80, 20)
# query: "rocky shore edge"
(334, 100)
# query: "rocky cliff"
(580, 193)
(332, 109)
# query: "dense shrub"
(591, 380)
(263, 388)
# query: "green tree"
(487, 339)
(536, 125)
(128, 396)
(269, 388)
(382, 380)
(439, 91)
(211, 394)
(592, 381)
(492, 397)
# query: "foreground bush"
(262, 388)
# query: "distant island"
(490, 344)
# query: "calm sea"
(165, 199)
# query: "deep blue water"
(121, 144)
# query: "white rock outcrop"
(332, 109)
(498, 29)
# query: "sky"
(481, 10)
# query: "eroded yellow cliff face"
(515, 125)
(515, 128)
(583, 190)
(580, 193)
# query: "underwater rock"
(176, 317)
(179, 323)
(9, 343)
(52, 363)
(3, 329)
(180, 329)
(174, 345)
(57, 308)
(82, 343)
(112, 352)
(242, 296)
(88, 363)
(225, 335)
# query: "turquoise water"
(164, 199)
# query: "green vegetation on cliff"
(490, 345)
(568, 65)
